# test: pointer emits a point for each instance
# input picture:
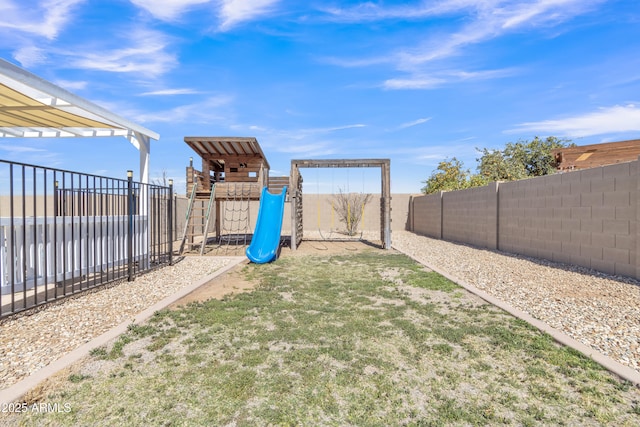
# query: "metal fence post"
(130, 225)
(170, 221)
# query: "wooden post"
(293, 188)
(386, 203)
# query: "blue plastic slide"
(266, 238)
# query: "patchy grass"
(369, 338)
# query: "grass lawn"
(368, 338)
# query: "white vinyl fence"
(46, 250)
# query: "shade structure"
(31, 107)
(226, 147)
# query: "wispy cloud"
(169, 92)
(439, 78)
(168, 10)
(233, 12)
(484, 20)
(606, 120)
(329, 129)
(72, 85)
(43, 18)
(27, 151)
(146, 54)
(493, 19)
(230, 12)
(414, 82)
(20, 148)
(414, 123)
(306, 133)
(322, 148)
(431, 155)
(504, 13)
(30, 56)
(303, 142)
(207, 111)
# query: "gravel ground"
(30, 342)
(601, 311)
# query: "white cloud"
(45, 18)
(230, 12)
(331, 129)
(168, 10)
(483, 20)
(302, 142)
(431, 155)
(606, 120)
(72, 85)
(413, 83)
(27, 151)
(311, 150)
(146, 56)
(439, 78)
(374, 12)
(169, 92)
(305, 134)
(20, 149)
(201, 112)
(29, 56)
(493, 19)
(508, 13)
(233, 12)
(414, 123)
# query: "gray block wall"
(587, 218)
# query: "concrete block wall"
(526, 211)
(466, 216)
(587, 218)
(426, 215)
(469, 216)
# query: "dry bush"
(349, 208)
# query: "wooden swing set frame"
(296, 193)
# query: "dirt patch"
(234, 280)
(334, 247)
(231, 282)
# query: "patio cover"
(31, 107)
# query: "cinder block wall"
(469, 216)
(587, 218)
(426, 215)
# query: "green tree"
(449, 175)
(494, 165)
(520, 160)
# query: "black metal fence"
(64, 232)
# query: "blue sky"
(414, 81)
